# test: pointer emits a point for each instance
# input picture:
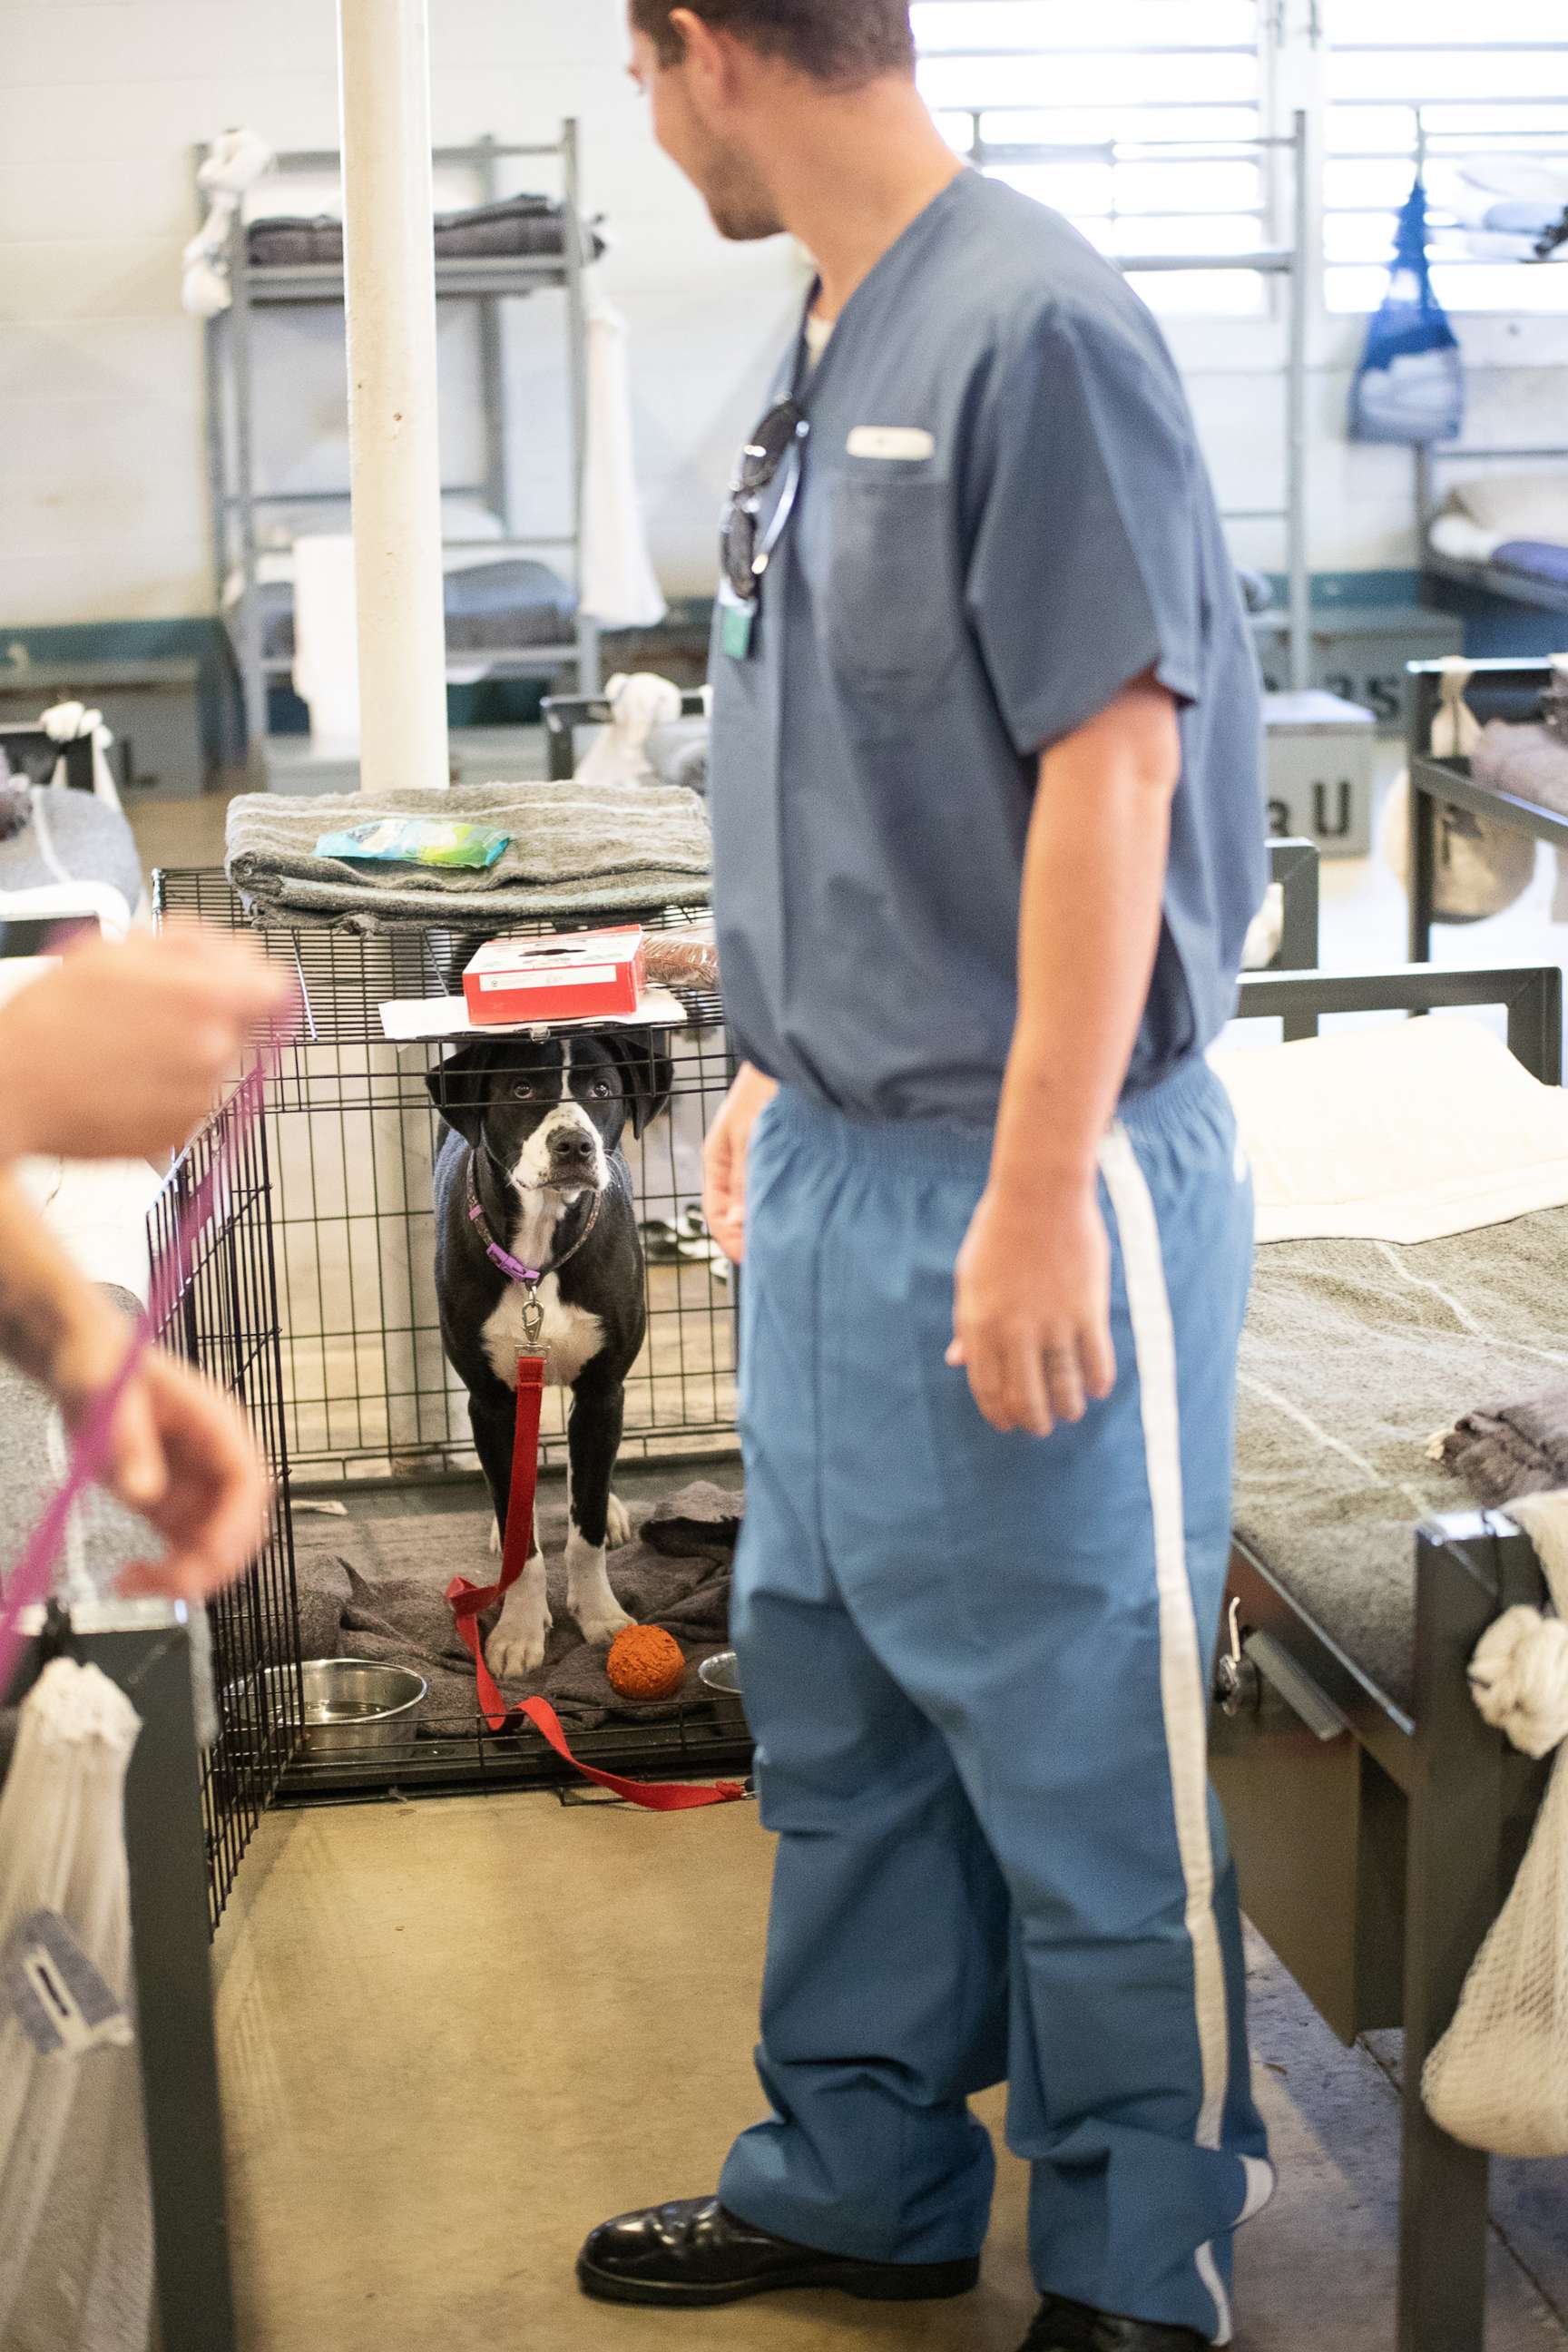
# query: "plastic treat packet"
(411, 841)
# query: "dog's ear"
(459, 1089)
(647, 1073)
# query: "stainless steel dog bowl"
(720, 1676)
(350, 1704)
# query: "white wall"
(102, 476)
(102, 471)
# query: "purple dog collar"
(530, 1276)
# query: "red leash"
(469, 1602)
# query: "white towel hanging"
(618, 587)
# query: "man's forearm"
(49, 1313)
(1089, 934)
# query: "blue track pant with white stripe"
(977, 1667)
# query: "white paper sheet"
(406, 1019)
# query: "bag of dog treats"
(412, 841)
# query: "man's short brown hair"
(845, 42)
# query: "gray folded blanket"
(1504, 1450)
(574, 849)
(1531, 763)
(374, 1589)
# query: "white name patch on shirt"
(891, 441)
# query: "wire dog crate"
(226, 1322)
(367, 1408)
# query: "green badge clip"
(740, 620)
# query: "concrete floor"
(457, 2033)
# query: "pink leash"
(29, 1582)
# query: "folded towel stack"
(574, 850)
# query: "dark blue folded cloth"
(1538, 559)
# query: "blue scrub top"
(948, 599)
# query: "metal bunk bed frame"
(1291, 262)
(1517, 588)
(487, 282)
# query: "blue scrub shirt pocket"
(891, 601)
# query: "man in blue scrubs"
(989, 818)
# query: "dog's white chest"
(571, 1337)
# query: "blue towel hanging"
(1410, 386)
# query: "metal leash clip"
(532, 1320)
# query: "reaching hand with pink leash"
(147, 1427)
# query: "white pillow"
(1401, 1133)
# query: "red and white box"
(568, 976)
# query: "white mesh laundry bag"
(1498, 2078)
(76, 2248)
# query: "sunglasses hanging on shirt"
(745, 548)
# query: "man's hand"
(120, 1051)
(184, 1459)
(724, 1160)
(1032, 1306)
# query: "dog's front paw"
(600, 1626)
(497, 1546)
(617, 1524)
(515, 1651)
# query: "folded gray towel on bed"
(1531, 763)
(375, 1589)
(1504, 1450)
(574, 849)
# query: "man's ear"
(459, 1089)
(647, 1073)
(708, 51)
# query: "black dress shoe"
(1064, 2326)
(693, 2253)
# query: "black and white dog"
(531, 1172)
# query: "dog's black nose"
(574, 1148)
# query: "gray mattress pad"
(1355, 1355)
(91, 843)
(516, 227)
(508, 606)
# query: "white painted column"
(393, 441)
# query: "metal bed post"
(1461, 1861)
(252, 669)
(212, 380)
(492, 364)
(589, 672)
(1297, 549)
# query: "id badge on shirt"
(737, 622)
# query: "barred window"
(1484, 100)
(1133, 117)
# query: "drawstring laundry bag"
(76, 2242)
(1498, 2078)
(1483, 867)
(1410, 386)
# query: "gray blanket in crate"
(574, 849)
(374, 1589)
(1356, 1354)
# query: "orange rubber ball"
(645, 1662)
